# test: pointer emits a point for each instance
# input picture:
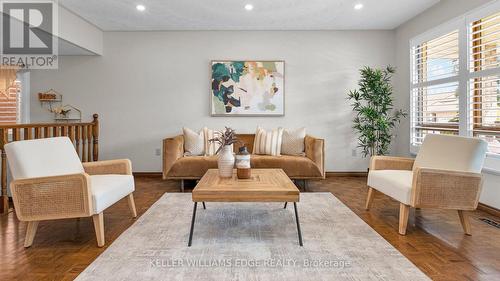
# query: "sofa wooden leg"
(30, 233)
(404, 212)
(131, 205)
(464, 220)
(99, 228)
(369, 198)
(182, 185)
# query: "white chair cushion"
(452, 153)
(109, 189)
(394, 183)
(43, 158)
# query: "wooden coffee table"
(265, 185)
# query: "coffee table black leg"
(285, 205)
(192, 224)
(204, 207)
(298, 223)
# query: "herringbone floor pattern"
(434, 242)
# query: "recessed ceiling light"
(248, 7)
(140, 8)
(358, 6)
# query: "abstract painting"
(247, 88)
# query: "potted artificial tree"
(375, 116)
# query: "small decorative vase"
(225, 162)
(243, 170)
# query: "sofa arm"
(116, 167)
(315, 150)
(444, 189)
(56, 197)
(173, 149)
(391, 163)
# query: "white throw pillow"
(293, 142)
(194, 143)
(268, 142)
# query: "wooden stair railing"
(85, 137)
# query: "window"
(434, 97)
(485, 80)
(455, 79)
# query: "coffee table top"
(265, 185)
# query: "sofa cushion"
(108, 189)
(394, 183)
(43, 158)
(294, 166)
(451, 153)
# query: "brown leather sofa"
(180, 167)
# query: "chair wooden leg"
(404, 212)
(182, 185)
(131, 204)
(369, 198)
(99, 228)
(464, 220)
(30, 233)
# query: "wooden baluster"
(89, 141)
(28, 133)
(84, 144)
(38, 133)
(55, 131)
(16, 134)
(4, 202)
(95, 135)
(46, 132)
(77, 140)
(64, 131)
(71, 133)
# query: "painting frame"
(211, 95)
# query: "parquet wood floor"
(434, 241)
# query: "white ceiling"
(121, 15)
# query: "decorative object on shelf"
(247, 88)
(373, 104)
(243, 169)
(52, 100)
(225, 161)
(67, 113)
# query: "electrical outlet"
(354, 153)
(157, 152)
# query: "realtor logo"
(29, 34)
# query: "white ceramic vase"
(225, 162)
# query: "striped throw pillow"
(211, 147)
(268, 142)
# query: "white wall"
(442, 12)
(150, 84)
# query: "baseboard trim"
(488, 209)
(346, 174)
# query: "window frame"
(461, 23)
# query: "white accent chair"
(50, 182)
(446, 174)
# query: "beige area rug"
(251, 241)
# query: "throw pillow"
(194, 143)
(268, 142)
(293, 142)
